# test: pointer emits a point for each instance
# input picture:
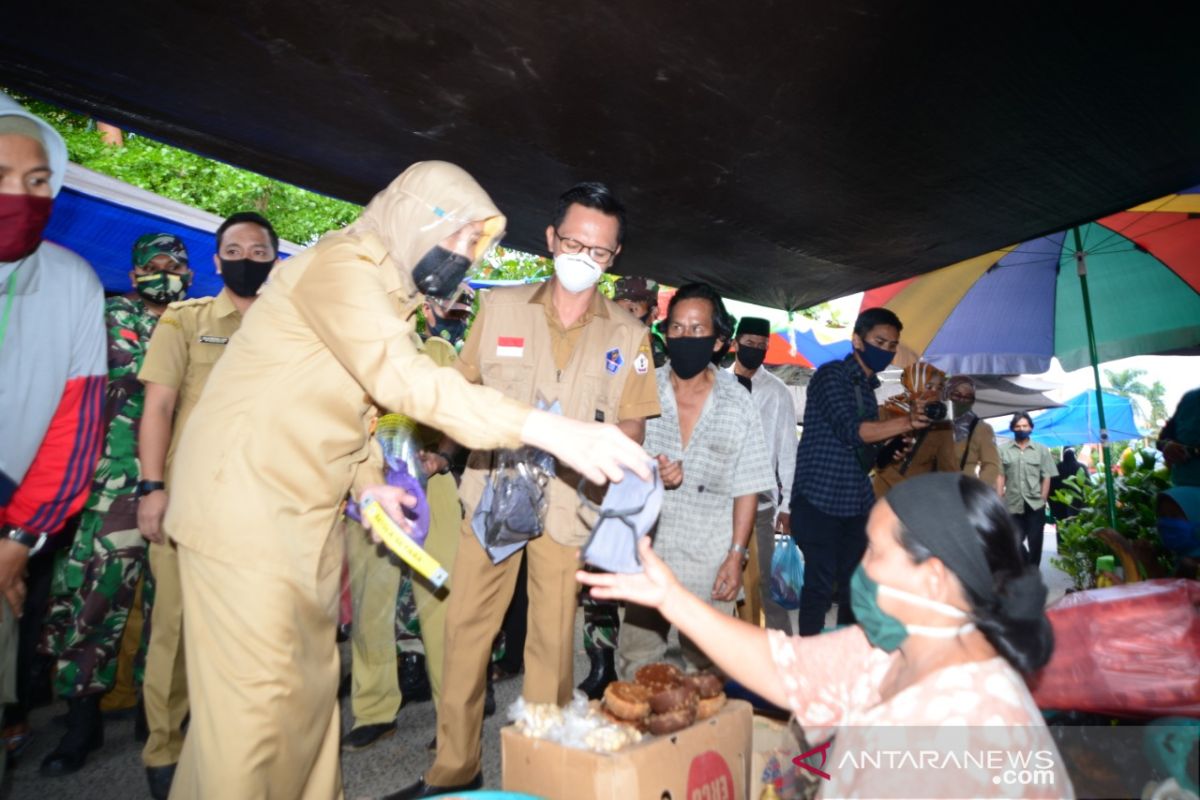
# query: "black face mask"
(690, 354)
(751, 357)
(440, 271)
(244, 276)
(452, 330)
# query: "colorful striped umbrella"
(1124, 285)
(1009, 311)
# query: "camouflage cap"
(150, 245)
(636, 288)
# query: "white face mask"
(577, 272)
(937, 632)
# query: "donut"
(627, 701)
(673, 698)
(658, 675)
(709, 706)
(671, 721)
(706, 684)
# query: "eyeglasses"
(601, 255)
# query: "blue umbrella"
(1078, 422)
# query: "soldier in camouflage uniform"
(638, 296)
(95, 580)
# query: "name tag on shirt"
(510, 346)
(214, 340)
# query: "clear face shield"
(456, 258)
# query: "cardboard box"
(708, 761)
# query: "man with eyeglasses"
(564, 341)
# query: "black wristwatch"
(34, 541)
(146, 487)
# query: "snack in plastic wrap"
(577, 725)
(1131, 650)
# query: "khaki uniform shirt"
(983, 459)
(270, 451)
(601, 368)
(191, 336)
(935, 454)
(1024, 470)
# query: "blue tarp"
(100, 217)
(103, 232)
(1077, 422)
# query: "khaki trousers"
(481, 594)
(263, 670)
(750, 609)
(165, 686)
(124, 692)
(374, 584)
(445, 524)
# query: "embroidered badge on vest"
(214, 340)
(510, 346)
(641, 364)
(613, 361)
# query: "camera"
(935, 410)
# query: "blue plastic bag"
(787, 572)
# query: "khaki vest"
(586, 388)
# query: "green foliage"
(1136, 490)
(298, 215)
(1148, 401)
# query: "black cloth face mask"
(690, 354)
(244, 276)
(440, 271)
(751, 357)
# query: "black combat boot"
(603, 672)
(85, 733)
(414, 680)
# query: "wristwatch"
(741, 550)
(146, 487)
(34, 541)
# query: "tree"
(1147, 401)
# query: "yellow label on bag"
(402, 544)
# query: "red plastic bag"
(1131, 650)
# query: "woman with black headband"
(949, 618)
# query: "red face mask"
(23, 218)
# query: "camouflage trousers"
(93, 589)
(600, 623)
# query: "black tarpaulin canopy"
(786, 152)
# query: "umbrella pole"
(1081, 270)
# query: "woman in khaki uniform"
(271, 450)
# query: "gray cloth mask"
(630, 509)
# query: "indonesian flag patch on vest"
(510, 346)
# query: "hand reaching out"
(649, 588)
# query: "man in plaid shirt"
(831, 492)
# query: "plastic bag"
(787, 572)
(512, 509)
(1131, 650)
(397, 438)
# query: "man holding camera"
(832, 494)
